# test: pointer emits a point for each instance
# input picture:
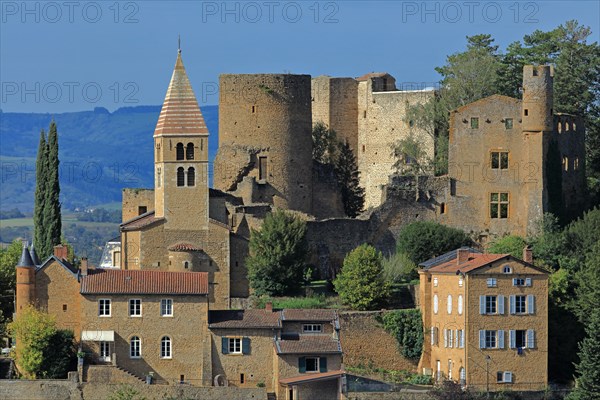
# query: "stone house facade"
(485, 318)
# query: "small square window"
(104, 307)
(135, 307)
(235, 345)
(64, 307)
(474, 123)
(492, 282)
(312, 364)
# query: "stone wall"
(381, 348)
(133, 199)
(67, 390)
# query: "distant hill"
(100, 153)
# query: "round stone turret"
(537, 98)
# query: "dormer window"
(507, 270)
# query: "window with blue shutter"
(527, 281)
(322, 364)
(501, 305)
(530, 339)
(224, 345)
(512, 339)
(302, 364)
(500, 339)
(512, 304)
(481, 304)
(245, 345)
(482, 339)
(531, 304)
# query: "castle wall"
(335, 103)
(381, 124)
(266, 115)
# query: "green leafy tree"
(360, 283)
(407, 327)
(39, 343)
(510, 244)
(9, 257)
(346, 170)
(398, 267)
(324, 144)
(588, 368)
(41, 185)
(52, 217)
(423, 240)
(587, 293)
(276, 263)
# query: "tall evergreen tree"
(588, 369)
(41, 180)
(346, 168)
(52, 218)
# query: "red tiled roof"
(140, 221)
(372, 75)
(305, 378)
(101, 281)
(184, 247)
(309, 344)
(180, 113)
(309, 315)
(476, 260)
(251, 318)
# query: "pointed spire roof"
(25, 260)
(180, 113)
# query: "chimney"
(462, 255)
(269, 307)
(84, 267)
(528, 255)
(61, 252)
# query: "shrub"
(407, 327)
(360, 283)
(510, 244)
(399, 268)
(423, 240)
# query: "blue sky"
(71, 56)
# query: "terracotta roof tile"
(103, 281)
(309, 344)
(305, 378)
(184, 247)
(309, 315)
(180, 113)
(252, 318)
(475, 261)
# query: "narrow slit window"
(262, 168)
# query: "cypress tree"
(41, 180)
(353, 196)
(588, 369)
(52, 219)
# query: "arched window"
(191, 176)
(435, 303)
(189, 151)
(165, 347)
(186, 265)
(460, 304)
(507, 269)
(449, 304)
(135, 347)
(179, 151)
(180, 177)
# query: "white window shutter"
(513, 308)
(512, 334)
(457, 338)
(500, 339)
(445, 337)
(531, 304)
(462, 339)
(450, 338)
(432, 335)
(501, 305)
(507, 377)
(527, 281)
(481, 304)
(530, 339)
(482, 339)
(514, 281)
